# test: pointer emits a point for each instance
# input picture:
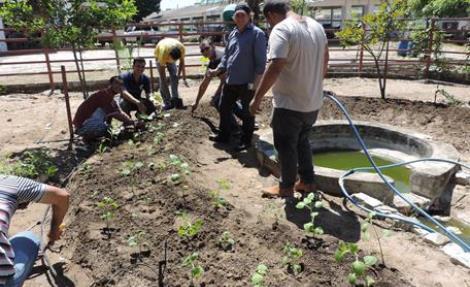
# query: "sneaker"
(276, 191)
(168, 107)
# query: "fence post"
(65, 91)
(49, 69)
(115, 44)
(152, 82)
(429, 50)
(180, 29)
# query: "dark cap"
(244, 7)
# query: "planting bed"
(155, 207)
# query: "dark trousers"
(290, 131)
(230, 95)
(128, 107)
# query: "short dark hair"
(138, 60)
(175, 53)
(276, 6)
(115, 79)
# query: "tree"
(375, 31)
(145, 8)
(72, 23)
(440, 8)
(254, 5)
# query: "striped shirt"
(13, 191)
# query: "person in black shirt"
(135, 83)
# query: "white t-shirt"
(300, 84)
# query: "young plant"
(137, 239)
(365, 232)
(360, 265)
(180, 164)
(226, 242)
(196, 270)
(108, 207)
(311, 204)
(131, 168)
(159, 136)
(257, 279)
(189, 229)
(31, 164)
(292, 258)
(217, 201)
(224, 184)
(102, 148)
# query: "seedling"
(137, 239)
(159, 136)
(31, 164)
(196, 270)
(359, 267)
(257, 279)
(217, 201)
(183, 166)
(102, 148)
(224, 184)
(131, 168)
(292, 258)
(189, 229)
(174, 178)
(226, 242)
(365, 232)
(311, 204)
(108, 207)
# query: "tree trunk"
(77, 65)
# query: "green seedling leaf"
(300, 205)
(197, 272)
(358, 267)
(352, 279)
(341, 251)
(370, 260)
(319, 231)
(262, 269)
(318, 204)
(257, 279)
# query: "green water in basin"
(345, 160)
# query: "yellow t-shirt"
(163, 49)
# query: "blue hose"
(453, 237)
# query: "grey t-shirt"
(300, 84)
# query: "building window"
(357, 12)
(329, 17)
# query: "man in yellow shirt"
(167, 52)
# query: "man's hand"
(255, 108)
(55, 234)
(142, 108)
(212, 73)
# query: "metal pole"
(152, 82)
(429, 50)
(65, 91)
(49, 69)
(386, 65)
(180, 29)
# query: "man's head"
(138, 66)
(241, 16)
(275, 11)
(206, 48)
(175, 54)
(116, 84)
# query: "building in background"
(3, 44)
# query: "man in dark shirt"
(135, 83)
(244, 62)
(93, 116)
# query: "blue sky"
(171, 4)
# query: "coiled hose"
(453, 237)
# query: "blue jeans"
(94, 127)
(26, 246)
(164, 91)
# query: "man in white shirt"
(298, 60)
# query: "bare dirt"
(260, 226)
